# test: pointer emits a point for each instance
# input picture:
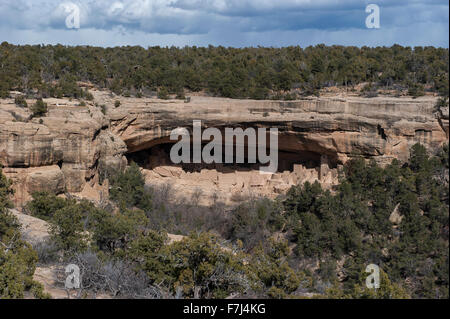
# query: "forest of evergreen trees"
(309, 243)
(256, 73)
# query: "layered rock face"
(60, 152)
(379, 128)
(68, 150)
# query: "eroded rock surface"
(60, 152)
(72, 148)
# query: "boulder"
(47, 178)
(395, 217)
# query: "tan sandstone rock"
(73, 146)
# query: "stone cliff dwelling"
(230, 182)
(70, 149)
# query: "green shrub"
(39, 108)
(44, 205)
(180, 94)
(269, 272)
(20, 101)
(163, 93)
(128, 189)
(67, 229)
(416, 90)
(115, 231)
(201, 268)
(259, 93)
(5, 191)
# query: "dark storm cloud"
(232, 22)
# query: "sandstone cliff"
(69, 149)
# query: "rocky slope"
(52, 275)
(69, 149)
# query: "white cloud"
(231, 22)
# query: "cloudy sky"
(235, 23)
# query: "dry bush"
(117, 278)
(47, 252)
